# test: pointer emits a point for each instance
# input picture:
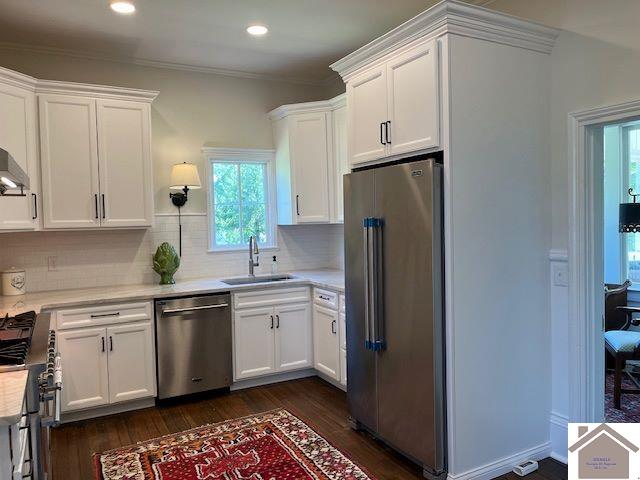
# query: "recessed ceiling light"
(257, 30)
(123, 6)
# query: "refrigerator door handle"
(376, 285)
(367, 293)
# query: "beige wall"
(595, 62)
(192, 110)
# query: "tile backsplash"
(119, 257)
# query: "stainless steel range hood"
(11, 173)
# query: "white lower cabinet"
(84, 366)
(108, 363)
(293, 337)
(254, 342)
(273, 337)
(325, 341)
(131, 362)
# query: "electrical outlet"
(561, 275)
(52, 263)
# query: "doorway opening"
(621, 156)
(604, 163)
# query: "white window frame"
(242, 155)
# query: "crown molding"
(99, 91)
(9, 77)
(453, 16)
(39, 49)
(308, 107)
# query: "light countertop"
(49, 300)
(12, 386)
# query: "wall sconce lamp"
(630, 215)
(184, 176)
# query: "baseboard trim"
(559, 425)
(331, 381)
(503, 465)
(107, 410)
(279, 377)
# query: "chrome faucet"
(253, 250)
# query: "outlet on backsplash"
(52, 263)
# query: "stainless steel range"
(27, 343)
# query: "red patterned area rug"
(273, 445)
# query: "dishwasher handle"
(190, 309)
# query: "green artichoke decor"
(165, 262)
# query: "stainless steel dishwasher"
(193, 344)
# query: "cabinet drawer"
(274, 296)
(343, 306)
(103, 315)
(326, 298)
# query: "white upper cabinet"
(394, 107)
(310, 164)
(18, 137)
(124, 151)
(309, 155)
(96, 157)
(340, 161)
(413, 100)
(368, 112)
(69, 156)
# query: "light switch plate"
(561, 275)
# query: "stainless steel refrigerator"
(395, 323)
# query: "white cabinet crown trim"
(17, 79)
(95, 91)
(308, 107)
(452, 16)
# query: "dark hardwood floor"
(314, 401)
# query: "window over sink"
(240, 197)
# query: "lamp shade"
(185, 175)
(629, 217)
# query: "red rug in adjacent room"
(274, 445)
(630, 404)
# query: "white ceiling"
(305, 35)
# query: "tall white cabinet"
(96, 157)
(474, 85)
(18, 136)
(311, 146)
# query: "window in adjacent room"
(240, 198)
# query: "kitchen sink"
(257, 279)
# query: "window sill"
(269, 248)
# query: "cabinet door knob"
(333, 327)
(104, 213)
(387, 130)
(35, 206)
(95, 199)
(298, 205)
(110, 343)
(102, 338)
(382, 127)
(277, 321)
(271, 322)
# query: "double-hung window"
(240, 200)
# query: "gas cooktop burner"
(15, 338)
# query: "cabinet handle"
(110, 343)
(382, 124)
(95, 198)
(387, 129)
(298, 205)
(104, 214)
(102, 315)
(102, 338)
(277, 321)
(333, 327)
(271, 322)
(35, 206)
